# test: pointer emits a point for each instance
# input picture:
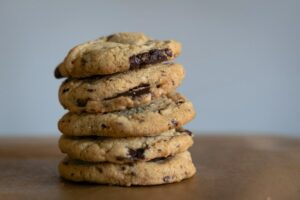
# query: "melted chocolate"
(137, 154)
(133, 92)
(151, 57)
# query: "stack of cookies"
(124, 125)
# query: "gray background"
(241, 57)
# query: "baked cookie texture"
(124, 125)
(160, 115)
(121, 91)
(118, 52)
(126, 150)
(154, 172)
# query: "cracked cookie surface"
(126, 150)
(160, 115)
(116, 53)
(154, 172)
(120, 91)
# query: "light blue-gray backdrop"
(242, 58)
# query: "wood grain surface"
(229, 167)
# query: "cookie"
(154, 172)
(116, 53)
(126, 150)
(121, 91)
(160, 115)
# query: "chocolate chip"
(182, 130)
(169, 52)
(110, 37)
(91, 90)
(173, 82)
(151, 57)
(188, 132)
(99, 169)
(174, 122)
(123, 168)
(83, 61)
(167, 179)
(180, 102)
(65, 162)
(134, 61)
(103, 126)
(82, 102)
(65, 90)
(158, 159)
(57, 73)
(120, 158)
(132, 173)
(72, 174)
(137, 91)
(137, 154)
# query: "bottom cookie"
(154, 172)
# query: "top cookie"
(116, 53)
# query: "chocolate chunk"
(137, 91)
(57, 73)
(151, 57)
(65, 90)
(169, 52)
(110, 37)
(130, 164)
(82, 102)
(167, 179)
(99, 169)
(188, 132)
(132, 173)
(91, 90)
(83, 61)
(182, 130)
(159, 159)
(119, 158)
(174, 122)
(137, 154)
(103, 126)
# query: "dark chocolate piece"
(182, 130)
(99, 169)
(119, 158)
(159, 159)
(137, 91)
(104, 126)
(65, 90)
(167, 179)
(174, 122)
(91, 90)
(82, 102)
(110, 37)
(188, 132)
(83, 61)
(57, 73)
(151, 57)
(137, 154)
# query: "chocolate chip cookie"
(116, 53)
(160, 115)
(121, 91)
(126, 150)
(154, 172)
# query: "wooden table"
(229, 167)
